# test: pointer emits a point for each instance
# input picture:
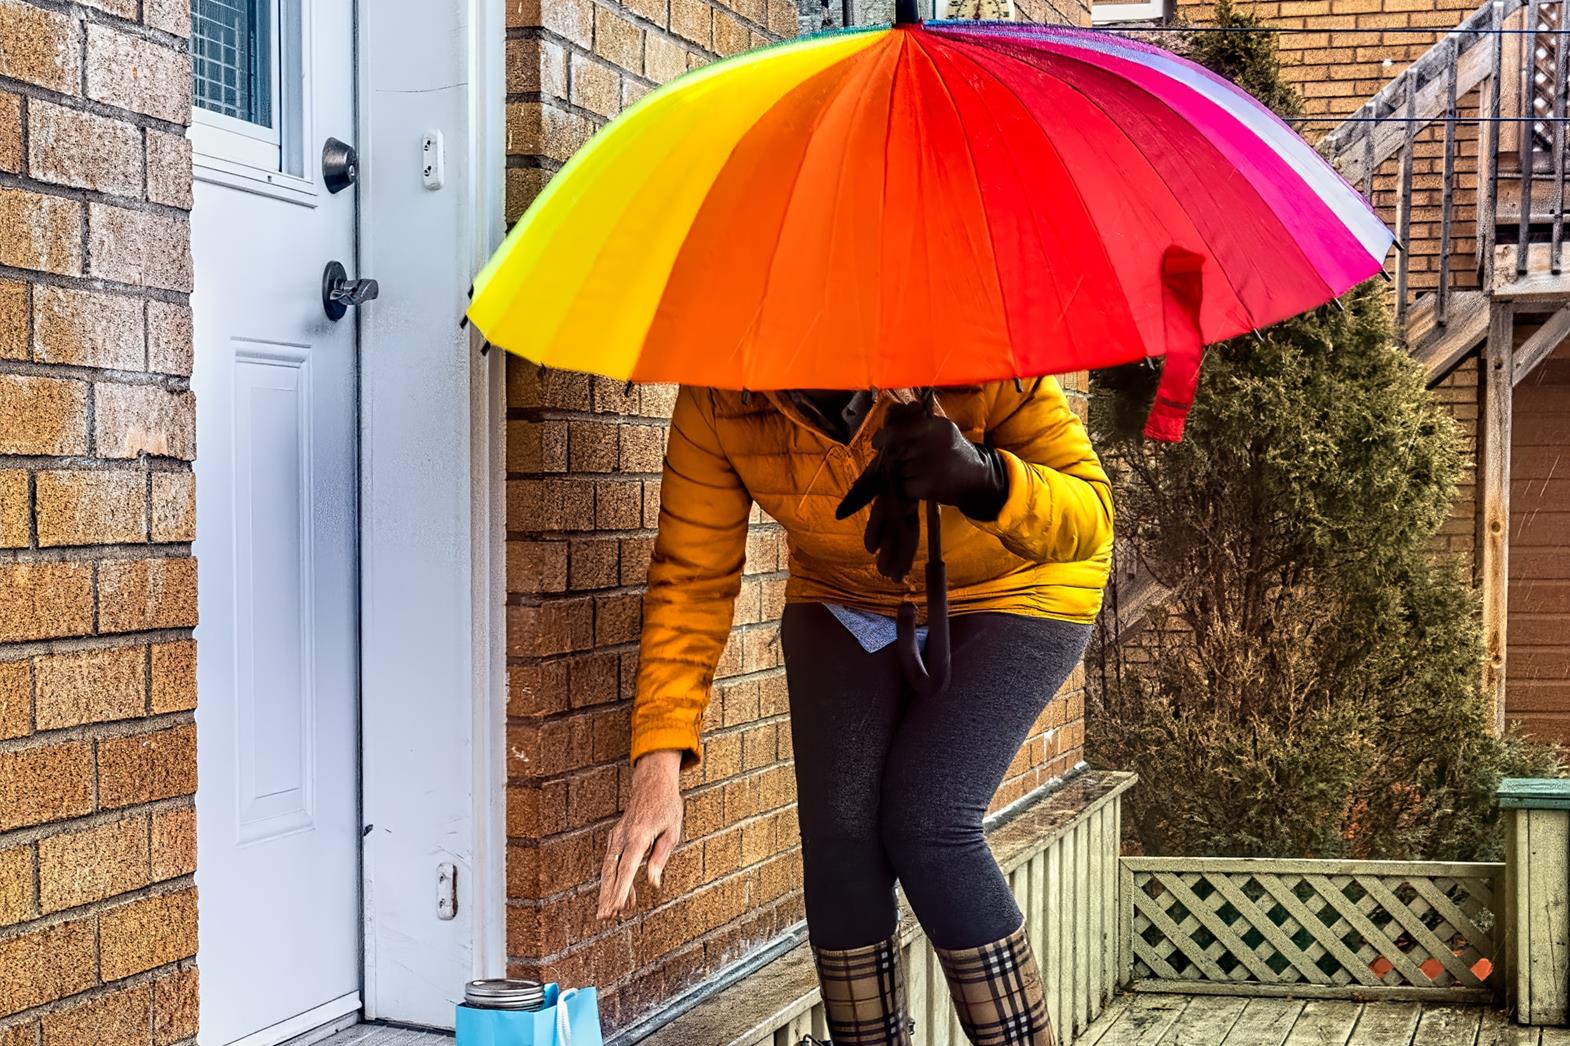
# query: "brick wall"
(583, 499)
(584, 458)
(97, 586)
(1461, 395)
(583, 463)
(1337, 52)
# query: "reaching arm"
(694, 577)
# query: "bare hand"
(650, 827)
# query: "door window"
(231, 59)
(248, 93)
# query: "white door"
(278, 822)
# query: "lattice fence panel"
(1355, 928)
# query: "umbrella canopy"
(930, 204)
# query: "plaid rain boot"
(864, 994)
(997, 992)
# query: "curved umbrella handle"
(930, 677)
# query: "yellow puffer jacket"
(1046, 555)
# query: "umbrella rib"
(883, 209)
(1077, 89)
(695, 83)
(839, 192)
(966, 48)
(1228, 115)
(746, 341)
(986, 221)
(1084, 206)
(1159, 100)
(1129, 49)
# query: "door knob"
(339, 292)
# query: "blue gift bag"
(570, 1017)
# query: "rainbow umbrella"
(941, 203)
(927, 204)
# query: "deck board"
(1382, 1023)
(1161, 1019)
(1144, 1020)
(1205, 1021)
(1499, 1030)
(1325, 1022)
(1448, 1026)
(1264, 1022)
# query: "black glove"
(893, 526)
(921, 457)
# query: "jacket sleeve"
(694, 576)
(1059, 507)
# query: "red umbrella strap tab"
(1184, 290)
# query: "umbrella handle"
(929, 678)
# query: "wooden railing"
(1314, 929)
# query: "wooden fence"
(1312, 929)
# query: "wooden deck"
(1157, 1019)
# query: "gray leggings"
(890, 785)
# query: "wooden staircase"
(1441, 340)
(1504, 70)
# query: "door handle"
(339, 292)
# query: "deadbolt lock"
(340, 165)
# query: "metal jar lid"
(504, 994)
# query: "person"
(891, 785)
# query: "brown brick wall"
(1460, 394)
(583, 460)
(97, 585)
(1337, 52)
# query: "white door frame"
(432, 521)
